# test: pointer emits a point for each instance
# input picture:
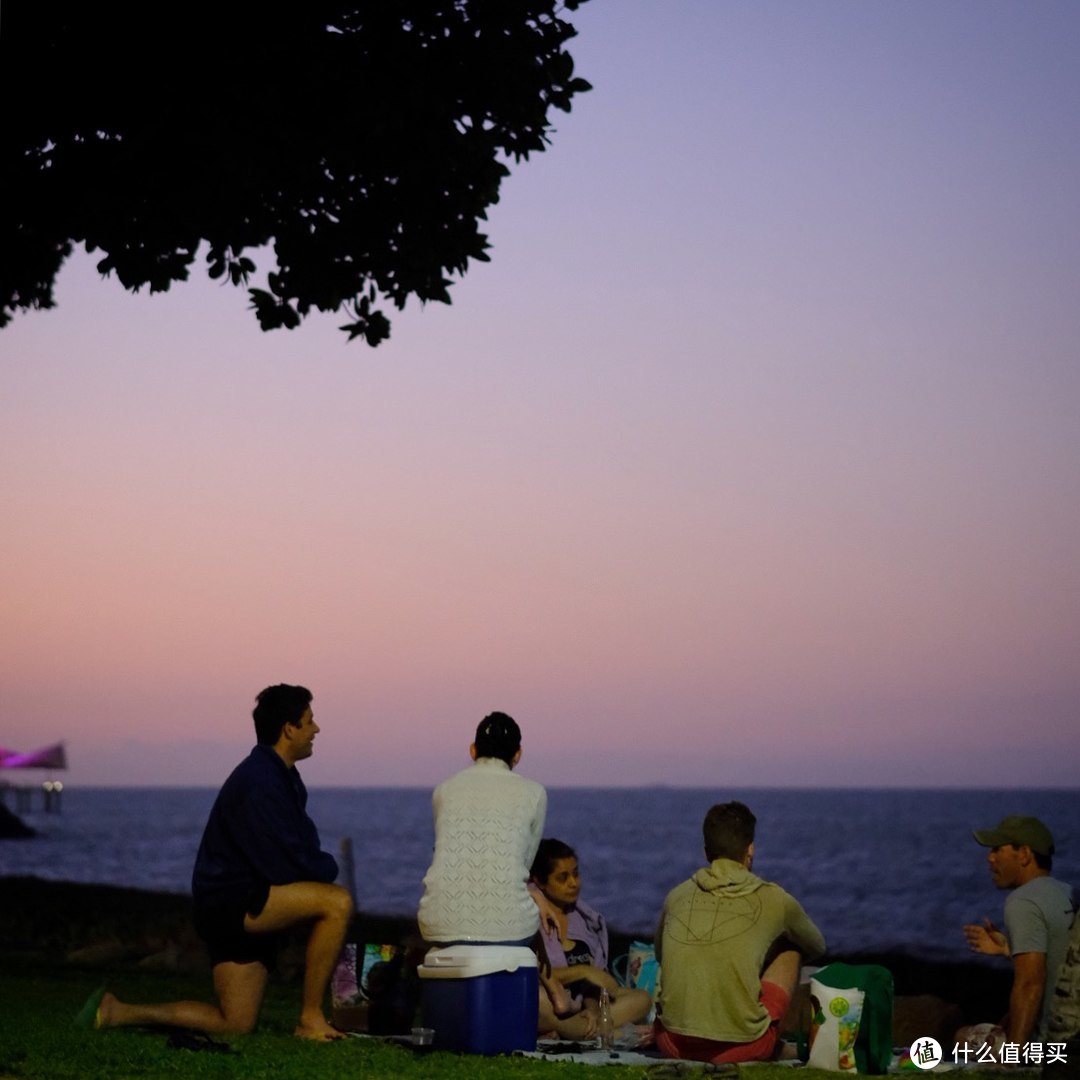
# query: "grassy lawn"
(38, 1041)
(40, 991)
(38, 997)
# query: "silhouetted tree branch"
(364, 141)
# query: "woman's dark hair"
(548, 854)
(498, 736)
(277, 706)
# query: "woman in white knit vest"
(488, 825)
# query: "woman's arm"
(588, 973)
(549, 916)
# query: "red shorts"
(693, 1048)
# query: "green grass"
(39, 1042)
(39, 997)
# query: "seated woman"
(577, 950)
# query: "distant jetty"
(12, 827)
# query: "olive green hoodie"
(715, 933)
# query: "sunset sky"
(752, 458)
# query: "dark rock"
(13, 827)
(924, 1014)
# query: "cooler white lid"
(470, 961)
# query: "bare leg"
(630, 1007)
(547, 1023)
(239, 987)
(328, 908)
(783, 970)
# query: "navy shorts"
(221, 925)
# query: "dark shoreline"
(113, 926)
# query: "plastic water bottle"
(605, 1025)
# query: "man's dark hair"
(498, 736)
(548, 854)
(277, 706)
(728, 830)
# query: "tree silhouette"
(363, 141)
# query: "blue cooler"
(483, 999)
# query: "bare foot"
(105, 1010)
(319, 1032)
(785, 1051)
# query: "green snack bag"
(873, 1044)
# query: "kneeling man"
(730, 947)
(259, 871)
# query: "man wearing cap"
(1038, 914)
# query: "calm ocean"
(874, 869)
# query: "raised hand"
(986, 938)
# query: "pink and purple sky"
(752, 458)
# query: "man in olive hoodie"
(730, 946)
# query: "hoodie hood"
(727, 876)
